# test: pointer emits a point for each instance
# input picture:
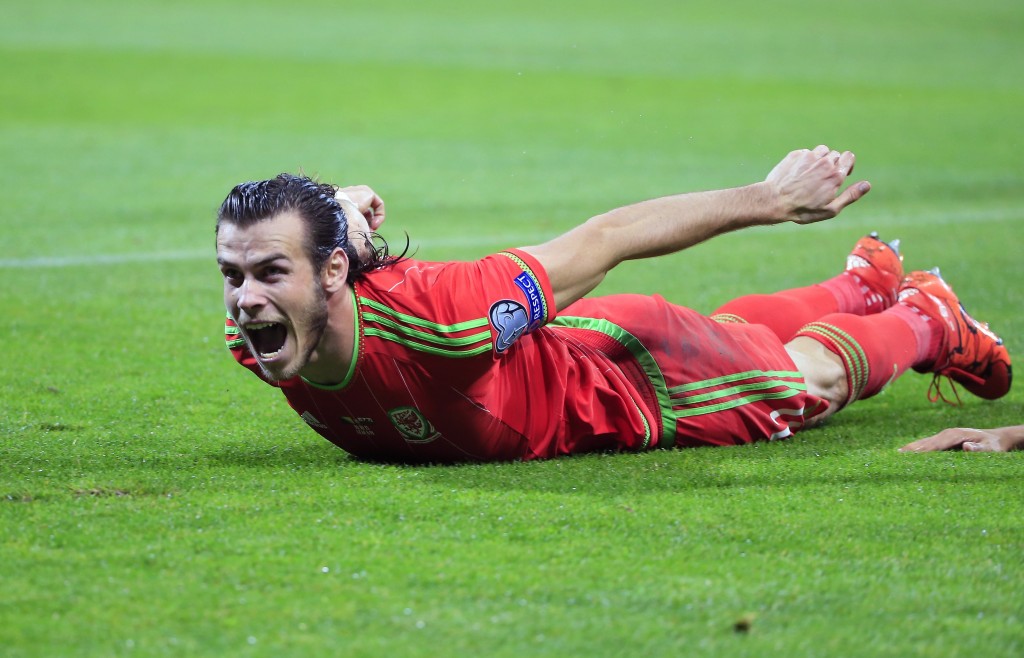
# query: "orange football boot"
(878, 267)
(972, 355)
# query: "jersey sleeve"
(513, 289)
(435, 307)
(532, 281)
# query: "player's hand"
(807, 184)
(1002, 439)
(370, 205)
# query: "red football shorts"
(709, 383)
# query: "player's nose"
(251, 297)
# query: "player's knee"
(823, 371)
(827, 381)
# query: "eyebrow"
(263, 261)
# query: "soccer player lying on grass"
(503, 358)
(999, 439)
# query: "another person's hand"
(1000, 439)
(807, 184)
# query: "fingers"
(822, 151)
(375, 213)
(848, 196)
(369, 204)
(986, 444)
(922, 445)
(845, 163)
(809, 182)
(828, 161)
(965, 438)
(944, 440)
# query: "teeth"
(269, 355)
(256, 326)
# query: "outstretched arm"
(802, 188)
(1000, 439)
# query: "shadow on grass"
(300, 454)
(738, 468)
(858, 447)
(806, 461)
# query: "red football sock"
(877, 349)
(787, 311)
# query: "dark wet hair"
(326, 222)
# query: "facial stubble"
(314, 317)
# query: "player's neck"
(333, 356)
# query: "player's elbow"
(606, 243)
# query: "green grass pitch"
(157, 500)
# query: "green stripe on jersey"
(429, 349)
(728, 379)
(401, 328)
(232, 330)
(420, 322)
(746, 391)
(720, 393)
(423, 335)
(738, 402)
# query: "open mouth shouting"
(267, 339)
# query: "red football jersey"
(459, 361)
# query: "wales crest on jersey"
(412, 425)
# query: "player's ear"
(335, 272)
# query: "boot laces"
(935, 391)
